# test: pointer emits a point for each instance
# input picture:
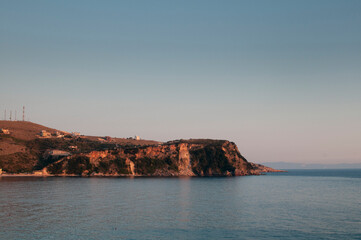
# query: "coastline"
(37, 174)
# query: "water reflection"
(184, 201)
(180, 208)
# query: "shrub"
(79, 165)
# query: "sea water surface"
(299, 204)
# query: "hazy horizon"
(281, 79)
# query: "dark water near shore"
(300, 204)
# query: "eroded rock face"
(184, 161)
(175, 158)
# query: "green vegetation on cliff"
(210, 160)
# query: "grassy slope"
(22, 150)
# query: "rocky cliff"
(24, 149)
(175, 158)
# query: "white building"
(75, 134)
(59, 134)
(45, 134)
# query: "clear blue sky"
(282, 79)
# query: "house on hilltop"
(45, 134)
(75, 134)
(59, 134)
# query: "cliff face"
(176, 158)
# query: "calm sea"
(300, 204)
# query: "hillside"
(26, 149)
(24, 130)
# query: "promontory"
(32, 149)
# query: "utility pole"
(23, 113)
(11, 113)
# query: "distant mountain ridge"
(290, 165)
